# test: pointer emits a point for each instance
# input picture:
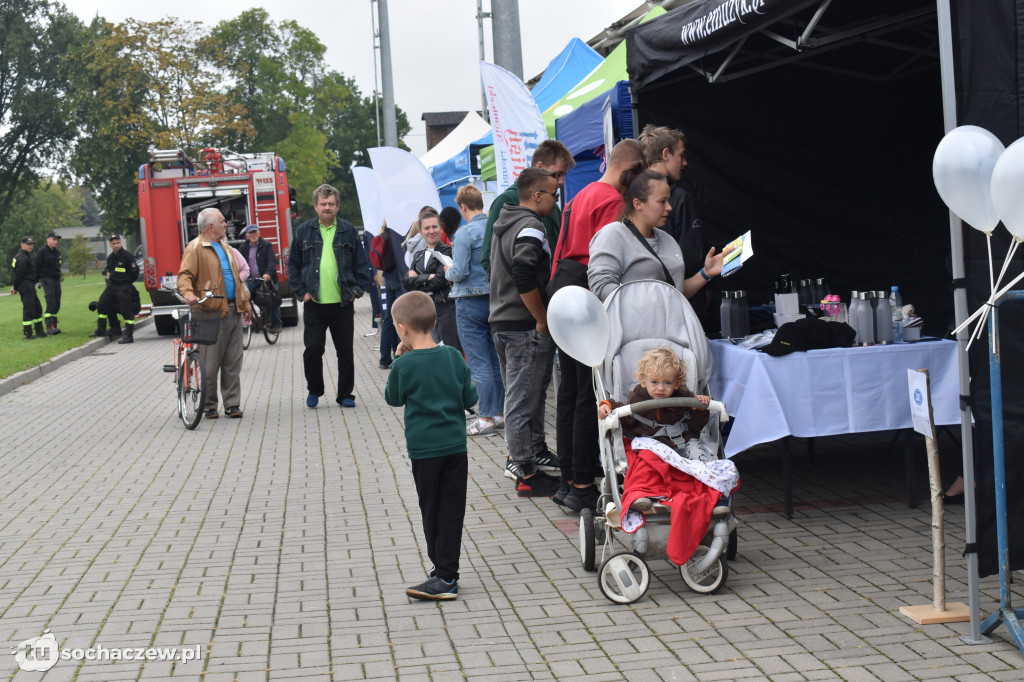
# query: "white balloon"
(1007, 186)
(962, 170)
(579, 324)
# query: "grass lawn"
(76, 322)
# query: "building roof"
(444, 118)
(89, 232)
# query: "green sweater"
(552, 223)
(434, 385)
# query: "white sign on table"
(920, 402)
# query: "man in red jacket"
(596, 205)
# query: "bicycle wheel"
(270, 336)
(191, 389)
(246, 336)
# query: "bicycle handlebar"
(207, 297)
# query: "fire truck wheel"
(165, 325)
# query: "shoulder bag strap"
(647, 245)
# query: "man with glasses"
(551, 155)
(520, 267)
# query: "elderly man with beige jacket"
(208, 264)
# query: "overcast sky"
(434, 42)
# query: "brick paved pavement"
(282, 543)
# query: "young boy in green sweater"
(434, 384)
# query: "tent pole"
(949, 114)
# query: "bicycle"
(200, 327)
(261, 321)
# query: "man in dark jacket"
(327, 281)
(24, 283)
(120, 296)
(48, 268)
(665, 152)
(520, 268)
(259, 253)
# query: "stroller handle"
(658, 403)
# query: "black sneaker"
(211, 414)
(563, 490)
(435, 588)
(538, 485)
(579, 499)
(722, 507)
(511, 470)
(546, 460)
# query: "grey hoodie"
(413, 245)
(522, 239)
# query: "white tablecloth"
(829, 392)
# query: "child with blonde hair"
(661, 374)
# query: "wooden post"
(924, 423)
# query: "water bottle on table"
(896, 303)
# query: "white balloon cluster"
(982, 182)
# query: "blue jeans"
(275, 314)
(525, 359)
(478, 345)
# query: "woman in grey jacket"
(635, 248)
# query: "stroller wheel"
(624, 578)
(730, 550)
(711, 580)
(587, 538)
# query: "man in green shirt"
(555, 157)
(327, 281)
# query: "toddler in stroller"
(661, 374)
(689, 519)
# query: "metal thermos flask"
(865, 319)
(883, 318)
(725, 314)
(739, 315)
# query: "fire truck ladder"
(266, 216)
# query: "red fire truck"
(246, 188)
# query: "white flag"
(405, 186)
(370, 204)
(515, 119)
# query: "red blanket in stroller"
(691, 501)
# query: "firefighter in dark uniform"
(120, 296)
(25, 279)
(48, 264)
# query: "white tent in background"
(470, 130)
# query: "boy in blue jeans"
(433, 383)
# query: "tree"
(91, 214)
(46, 206)
(350, 122)
(38, 57)
(144, 87)
(79, 255)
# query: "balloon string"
(982, 309)
(987, 308)
(996, 295)
(988, 241)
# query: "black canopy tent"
(814, 123)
